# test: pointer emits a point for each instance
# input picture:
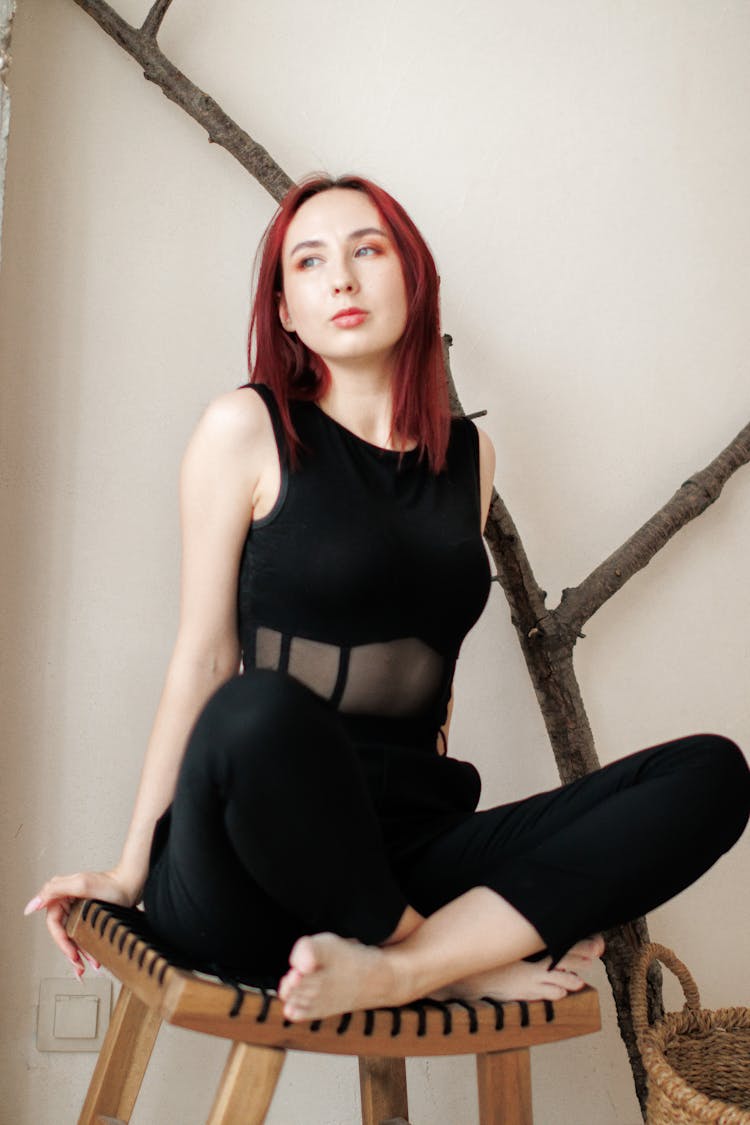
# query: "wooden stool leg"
(247, 1085)
(382, 1083)
(122, 1061)
(504, 1080)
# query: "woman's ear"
(284, 317)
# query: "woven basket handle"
(642, 960)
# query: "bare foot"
(529, 980)
(523, 980)
(331, 974)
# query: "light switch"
(73, 1016)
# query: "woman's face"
(338, 256)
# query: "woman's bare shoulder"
(235, 424)
(236, 416)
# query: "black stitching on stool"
(230, 982)
(396, 1024)
(141, 955)
(445, 1009)
(287, 1023)
(133, 944)
(369, 1021)
(499, 1011)
(113, 931)
(421, 1011)
(86, 908)
(344, 1022)
(107, 917)
(263, 1013)
(473, 1022)
(163, 971)
(524, 1008)
(239, 997)
(315, 1025)
(549, 1011)
(123, 939)
(154, 959)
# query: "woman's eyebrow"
(316, 243)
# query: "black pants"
(281, 826)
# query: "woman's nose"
(343, 279)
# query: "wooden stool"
(155, 989)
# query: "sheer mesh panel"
(394, 678)
(315, 664)
(267, 648)
(391, 678)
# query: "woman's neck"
(361, 401)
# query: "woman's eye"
(306, 263)
(365, 251)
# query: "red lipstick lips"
(349, 318)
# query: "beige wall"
(582, 171)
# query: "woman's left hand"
(57, 897)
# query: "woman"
(332, 517)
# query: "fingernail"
(92, 961)
(32, 905)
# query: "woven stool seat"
(156, 987)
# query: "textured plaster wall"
(582, 171)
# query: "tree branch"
(153, 20)
(141, 45)
(690, 500)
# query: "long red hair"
(421, 409)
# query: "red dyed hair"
(279, 359)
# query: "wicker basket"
(697, 1062)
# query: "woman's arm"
(230, 469)
(486, 479)
(486, 473)
(216, 495)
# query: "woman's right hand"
(60, 892)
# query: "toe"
(569, 963)
(289, 982)
(569, 982)
(303, 956)
(552, 992)
(591, 948)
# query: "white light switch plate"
(73, 1016)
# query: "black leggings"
(281, 826)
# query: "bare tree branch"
(547, 636)
(690, 500)
(153, 20)
(141, 45)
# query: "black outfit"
(312, 796)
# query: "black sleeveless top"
(366, 576)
